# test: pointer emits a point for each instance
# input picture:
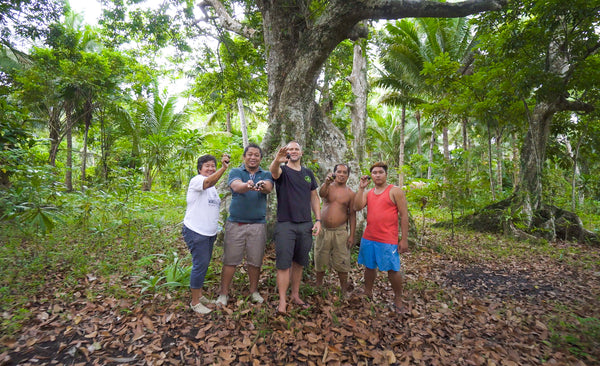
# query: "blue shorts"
(373, 254)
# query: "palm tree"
(406, 47)
(160, 121)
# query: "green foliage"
(177, 275)
(14, 140)
(32, 203)
(336, 91)
(575, 334)
(237, 71)
(101, 233)
(27, 19)
(174, 274)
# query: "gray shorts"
(293, 242)
(242, 238)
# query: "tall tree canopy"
(299, 35)
(543, 54)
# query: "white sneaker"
(255, 297)
(200, 309)
(205, 301)
(222, 300)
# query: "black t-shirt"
(293, 194)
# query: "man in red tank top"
(379, 248)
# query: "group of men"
(334, 226)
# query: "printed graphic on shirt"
(214, 199)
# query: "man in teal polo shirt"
(246, 228)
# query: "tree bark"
(431, 148)
(499, 158)
(55, 137)
(402, 144)
(104, 146)
(574, 154)
(69, 162)
(360, 89)
(490, 167)
(515, 160)
(533, 153)
(88, 122)
(228, 122)
(243, 122)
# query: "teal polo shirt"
(249, 207)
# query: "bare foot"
(281, 309)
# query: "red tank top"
(382, 217)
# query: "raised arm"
(324, 191)
(280, 158)
(360, 199)
(212, 179)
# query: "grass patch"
(100, 248)
(574, 334)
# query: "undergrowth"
(136, 243)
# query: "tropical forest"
(486, 113)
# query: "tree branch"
(226, 21)
(574, 106)
(396, 9)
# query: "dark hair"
(346, 165)
(379, 164)
(205, 159)
(255, 146)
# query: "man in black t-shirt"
(296, 195)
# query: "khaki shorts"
(331, 247)
(244, 239)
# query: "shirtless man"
(334, 243)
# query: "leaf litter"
(465, 309)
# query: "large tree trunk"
(533, 155)
(524, 215)
(360, 89)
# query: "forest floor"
(474, 299)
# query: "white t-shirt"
(202, 212)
